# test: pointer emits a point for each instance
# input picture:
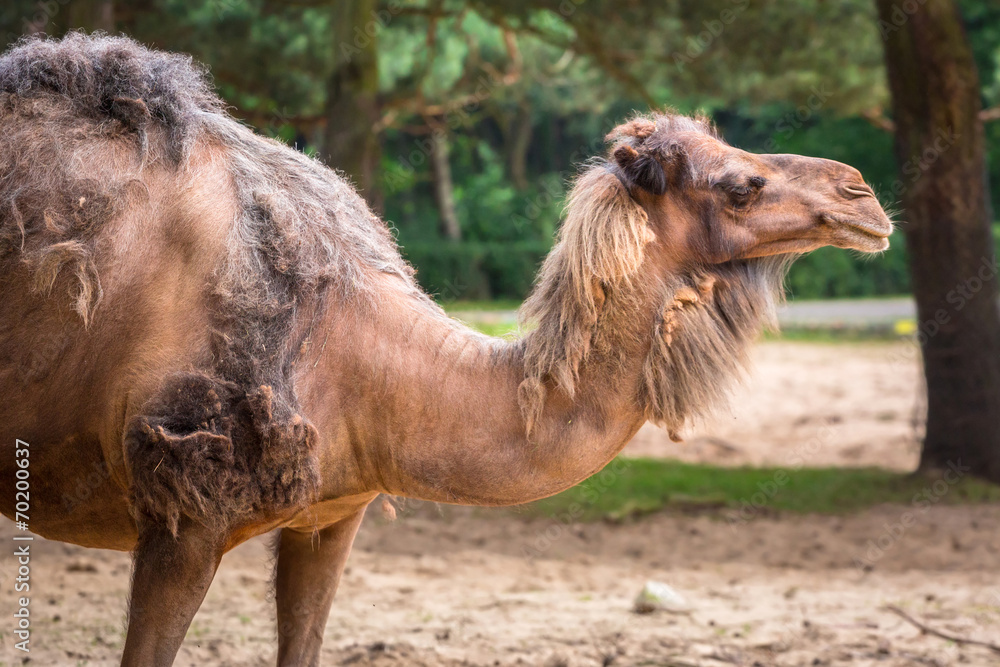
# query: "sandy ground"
(453, 586)
(837, 404)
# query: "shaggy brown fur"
(702, 338)
(600, 249)
(709, 318)
(711, 312)
(301, 238)
(189, 430)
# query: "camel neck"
(438, 415)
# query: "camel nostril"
(857, 190)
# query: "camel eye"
(740, 194)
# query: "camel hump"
(82, 117)
(116, 78)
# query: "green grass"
(504, 328)
(501, 329)
(483, 315)
(491, 305)
(631, 487)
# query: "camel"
(206, 335)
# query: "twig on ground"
(938, 633)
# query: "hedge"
(836, 273)
(452, 271)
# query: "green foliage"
(834, 273)
(628, 487)
(451, 271)
(789, 76)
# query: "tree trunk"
(444, 195)
(942, 185)
(518, 142)
(350, 143)
(91, 15)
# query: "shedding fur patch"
(113, 80)
(183, 460)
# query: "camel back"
(218, 443)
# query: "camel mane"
(586, 294)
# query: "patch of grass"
(488, 317)
(492, 305)
(504, 328)
(630, 487)
(501, 329)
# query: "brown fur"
(699, 344)
(184, 461)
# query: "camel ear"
(640, 170)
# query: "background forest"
(482, 111)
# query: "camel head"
(713, 203)
(673, 250)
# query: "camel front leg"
(308, 572)
(170, 578)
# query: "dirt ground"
(835, 404)
(445, 586)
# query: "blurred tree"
(90, 15)
(444, 187)
(352, 113)
(939, 147)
